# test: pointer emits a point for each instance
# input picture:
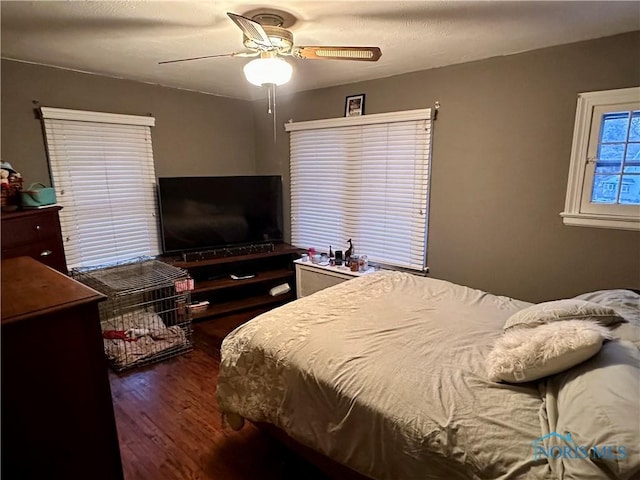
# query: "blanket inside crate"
(138, 335)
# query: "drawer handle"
(45, 253)
(36, 227)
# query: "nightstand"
(312, 277)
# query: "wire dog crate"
(146, 317)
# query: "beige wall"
(500, 159)
(195, 134)
(501, 151)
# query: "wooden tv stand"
(213, 282)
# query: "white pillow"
(527, 354)
(597, 402)
(625, 302)
(561, 310)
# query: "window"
(363, 178)
(604, 176)
(103, 174)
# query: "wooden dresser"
(57, 412)
(36, 234)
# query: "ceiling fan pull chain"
(273, 85)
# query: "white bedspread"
(386, 374)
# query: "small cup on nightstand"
(363, 263)
(354, 263)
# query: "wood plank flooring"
(169, 425)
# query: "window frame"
(386, 120)
(112, 136)
(579, 211)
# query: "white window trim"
(403, 116)
(100, 117)
(573, 214)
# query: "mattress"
(386, 374)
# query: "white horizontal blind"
(104, 177)
(365, 182)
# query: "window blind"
(103, 174)
(366, 179)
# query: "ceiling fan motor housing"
(281, 38)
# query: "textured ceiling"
(127, 39)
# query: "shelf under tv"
(283, 274)
(213, 282)
(279, 249)
(246, 304)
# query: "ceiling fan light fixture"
(263, 71)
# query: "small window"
(604, 178)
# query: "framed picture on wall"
(354, 106)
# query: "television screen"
(200, 213)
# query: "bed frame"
(329, 467)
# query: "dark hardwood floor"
(169, 425)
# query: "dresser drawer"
(49, 252)
(33, 228)
(36, 234)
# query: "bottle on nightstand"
(332, 259)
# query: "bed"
(386, 374)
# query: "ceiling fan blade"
(252, 30)
(236, 54)
(363, 54)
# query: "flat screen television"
(205, 213)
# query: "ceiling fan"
(264, 35)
